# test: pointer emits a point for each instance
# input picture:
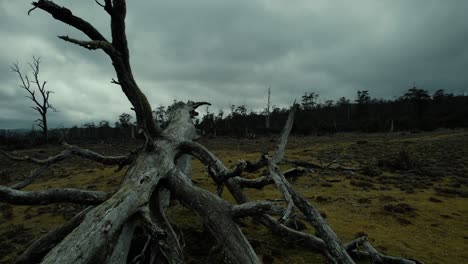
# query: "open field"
(409, 194)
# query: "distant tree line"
(416, 110)
(102, 132)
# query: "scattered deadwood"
(361, 248)
(73, 150)
(315, 165)
(160, 171)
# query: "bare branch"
(310, 241)
(282, 184)
(97, 2)
(219, 171)
(117, 51)
(91, 155)
(285, 135)
(372, 253)
(195, 105)
(34, 175)
(91, 45)
(219, 223)
(43, 105)
(107, 6)
(58, 195)
(73, 150)
(254, 208)
(30, 10)
(26, 84)
(170, 246)
(313, 165)
(165, 243)
(322, 228)
(148, 221)
(114, 81)
(66, 16)
(257, 183)
(140, 257)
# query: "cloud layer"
(228, 52)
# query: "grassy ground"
(410, 198)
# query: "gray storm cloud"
(228, 52)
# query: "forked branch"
(117, 50)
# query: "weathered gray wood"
(117, 50)
(372, 254)
(169, 245)
(57, 195)
(280, 182)
(255, 208)
(282, 185)
(283, 140)
(70, 151)
(120, 252)
(335, 249)
(216, 216)
(161, 164)
(324, 231)
(103, 223)
(39, 248)
(32, 176)
(165, 247)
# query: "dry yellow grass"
(436, 232)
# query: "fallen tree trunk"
(158, 172)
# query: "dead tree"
(42, 104)
(267, 117)
(159, 171)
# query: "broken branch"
(57, 195)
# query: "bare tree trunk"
(267, 118)
(45, 129)
(160, 170)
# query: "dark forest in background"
(416, 110)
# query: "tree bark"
(159, 171)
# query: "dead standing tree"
(267, 110)
(42, 105)
(159, 171)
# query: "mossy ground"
(411, 200)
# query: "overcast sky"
(229, 52)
